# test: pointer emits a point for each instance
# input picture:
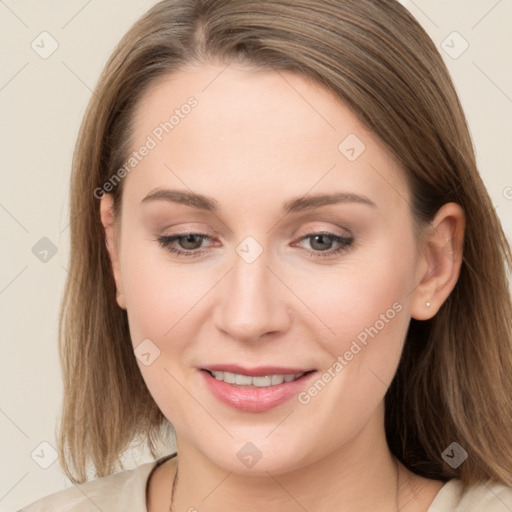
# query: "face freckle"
(258, 182)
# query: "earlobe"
(107, 219)
(442, 259)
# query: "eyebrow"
(292, 206)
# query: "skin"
(255, 140)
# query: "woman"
(281, 246)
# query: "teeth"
(277, 379)
(243, 380)
(259, 382)
(262, 382)
(230, 378)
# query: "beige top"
(126, 491)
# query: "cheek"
(366, 306)
(162, 306)
(365, 297)
(159, 294)
(166, 304)
(367, 309)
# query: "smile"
(255, 390)
(264, 381)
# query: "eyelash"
(345, 243)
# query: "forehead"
(219, 126)
(246, 104)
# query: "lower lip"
(252, 398)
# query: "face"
(267, 262)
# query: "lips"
(256, 389)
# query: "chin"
(260, 456)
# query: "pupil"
(191, 242)
(319, 242)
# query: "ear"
(440, 261)
(107, 219)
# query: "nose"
(253, 302)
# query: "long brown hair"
(454, 381)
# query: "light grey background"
(42, 102)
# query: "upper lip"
(258, 371)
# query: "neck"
(359, 475)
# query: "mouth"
(257, 389)
(264, 381)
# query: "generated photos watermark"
(361, 341)
(156, 136)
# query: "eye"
(326, 244)
(186, 244)
(322, 244)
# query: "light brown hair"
(454, 381)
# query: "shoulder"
(125, 490)
(488, 496)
